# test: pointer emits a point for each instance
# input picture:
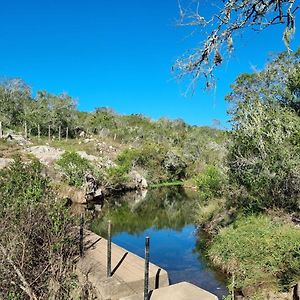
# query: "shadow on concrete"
(157, 279)
(89, 246)
(119, 264)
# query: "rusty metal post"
(146, 281)
(81, 235)
(109, 250)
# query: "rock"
(74, 194)
(137, 181)
(89, 157)
(93, 193)
(18, 138)
(82, 134)
(46, 154)
(296, 291)
(86, 141)
(4, 162)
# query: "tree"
(233, 16)
(278, 82)
(264, 156)
(55, 111)
(15, 95)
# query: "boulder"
(74, 194)
(4, 162)
(46, 154)
(17, 138)
(137, 181)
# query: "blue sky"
(118, 54)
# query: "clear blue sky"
(117, 53)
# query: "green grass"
(164, 184)
(259, 252)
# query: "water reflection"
(166, 215)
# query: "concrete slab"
(127, 269)
(179, 291)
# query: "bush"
(37, 236)
(259, 252)
(22, 185)
(74, 168)
(265, 156)
(160, 164)
(210, 182)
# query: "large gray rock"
(46, 154)
(137, 181)
(4, 162)
(17, 138)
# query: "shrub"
(74, 167)
(37, 241)
(210, 182)
(22, 184)
(265, 156)
(160, 163)
(259, 252)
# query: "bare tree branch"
(24, 286)
(234, 16)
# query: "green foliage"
(258, 251)
(74, 168)
(22, 185)
(116, 177)
(160, 163)
(207, 210)
(210, 182)
(36, 232)
(264, 156)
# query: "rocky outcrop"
(4, 162)
(17, 138)
(137, 181)
(46, 154)
(73, 194)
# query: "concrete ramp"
(127, 270)
(179, 291)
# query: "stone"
(4, 162)
(137, 181)
(46, 154)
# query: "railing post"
(146, 281)
(81, 235)
(67, 133)
(109, 250)
(1, 130)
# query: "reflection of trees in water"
(202, 242)
(162, 208)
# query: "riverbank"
(167, 216)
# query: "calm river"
(166, 216)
